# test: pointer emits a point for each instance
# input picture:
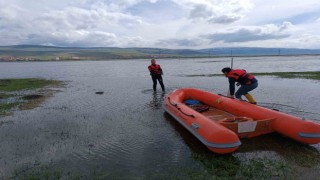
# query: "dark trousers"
(244, 89)
(156, 78)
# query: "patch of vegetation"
(301, 155)
(228, 167)
(43, 172)
(4, 107)
(315, 75)
(22, 84)
(219, 166)
(4, 96)
(263, 169)
(11, 88)
(303, 75)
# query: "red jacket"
(155, 69)
(241, 76)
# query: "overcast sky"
(192, 24)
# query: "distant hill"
(35, 52)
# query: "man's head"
(226, 70)
(153, 61)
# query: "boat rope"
(176, 106)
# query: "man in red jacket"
(247, 81)
(156, 74)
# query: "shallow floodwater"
(125, 133)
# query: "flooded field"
(106, 122)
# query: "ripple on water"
(155, 102)
(135, 148)
(110, 149)
(155, 98)
(296, 111)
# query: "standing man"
(156, 74)
(247, 81)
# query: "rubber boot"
(250, 98)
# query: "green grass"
(7, 106)
(4, 96)
(10, 87)
(302, 75)
(44, 172)
(315, 75)
(22, 84)
(213, 166)
(229, 167)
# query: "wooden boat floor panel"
(216, 114)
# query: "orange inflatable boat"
(219, 122)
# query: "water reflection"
(185, 135)
(156, 101)
(277, 146)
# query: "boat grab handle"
(176, 106)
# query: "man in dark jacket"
(247, 81)
(156, 74)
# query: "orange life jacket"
(155, 69)
(241, 76)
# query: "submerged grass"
(11, 88)
(42, 172)
(214, 167)
(229, 167)
(22, 84)
(7, 106)
(3, 96)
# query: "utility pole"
(231, 59)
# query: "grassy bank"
(23, 93)
(302, 75)
(315, 75)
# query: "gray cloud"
(220, 12)
(245, 35)
(71, 26)
(78, 18)
(200, 11)
(72, 38)
(285, 25)
(224, 19)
